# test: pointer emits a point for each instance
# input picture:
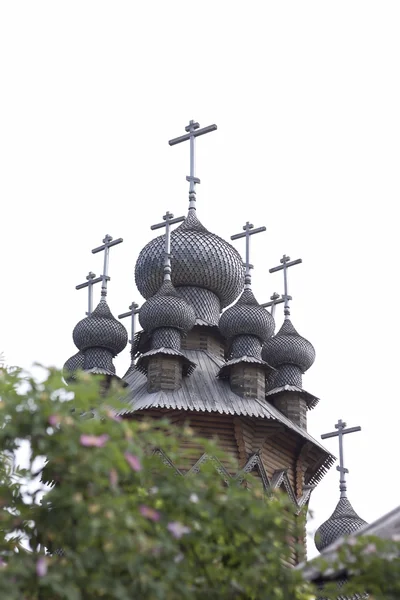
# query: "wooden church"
(210, 355)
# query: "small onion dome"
(73, 364)
(199, 258)
(167, 309)
(100, 330)
(287, 347)
(343, 521)
(247, 317)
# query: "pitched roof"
(311, 400)
(203, 391)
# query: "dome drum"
(99, 358)
(206, 304)
(287, 375)
(166, 337)
(245, 345)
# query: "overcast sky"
(306, 97)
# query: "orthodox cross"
(194, 131)
(285, 264)
(248, 230)
(168, 220)
(133, 311)
(275, 299)
(341, 431)
(91, 280)
(108, 242)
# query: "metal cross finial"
(248, 230)
(275, 299)
(341, 431)
(285, 264)
(108, 242)
(168, 220)
(133, 311)
(91, 280)
(194, 131)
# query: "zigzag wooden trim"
(216, 463)
(254, 461)
(166, 460)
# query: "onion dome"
(343, 521)
(287, 347)
(167, 309)
(247, 317)
(73, 364)
(199, 258)
(100, 330)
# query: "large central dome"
(199, 258)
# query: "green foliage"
(116, 523)
(127, 525)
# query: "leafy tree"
(115, 522)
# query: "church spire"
(344, 520)
(193, 131)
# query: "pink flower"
(112, 415)
(54, 420)
(133, 461)
(370, 549)
(149, 513)
(41, 567)
(177, 529)
(94, 440)
(113, 478)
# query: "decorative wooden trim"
(216, 463)
(254, 461)
(166, 461)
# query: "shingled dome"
(247, 317)
(167, 309)
(74, 363)
(199, 258)
(100, 330)
(287, 347)
(343, 521)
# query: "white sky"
(306, 96)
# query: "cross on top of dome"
(167, 222)
(341, 431)
(248, 230)
(194, 131)
(133, 311)
(91, 280)
(108, 242)
(285, 264)
(274, 300)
